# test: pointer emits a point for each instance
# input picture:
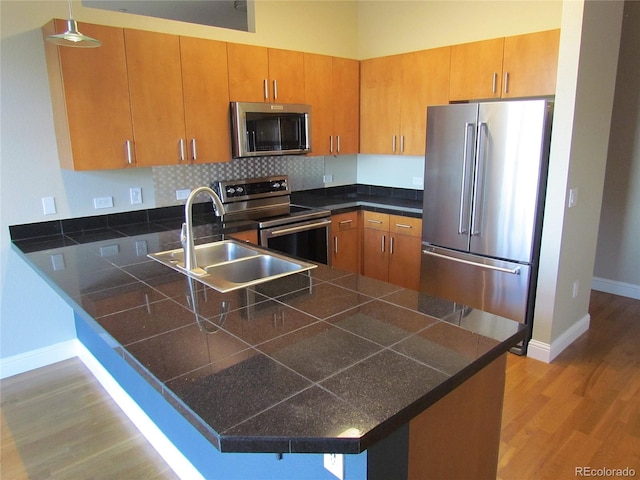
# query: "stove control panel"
(235, 190)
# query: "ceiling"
(218, 13)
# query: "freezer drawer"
(495, 286)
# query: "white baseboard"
(40, 357)
(616, 288)
(169, 452)
(547, 352)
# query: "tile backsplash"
(305, 173)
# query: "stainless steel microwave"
(262, 129)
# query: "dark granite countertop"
(398, 201)
(330, 362)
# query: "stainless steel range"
(291, 229)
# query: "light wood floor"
(59, 423)
(583, 410)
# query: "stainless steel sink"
(208, 254)
(228, 265)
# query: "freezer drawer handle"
(513, 271)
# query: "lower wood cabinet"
(391, 248)
(345, 241)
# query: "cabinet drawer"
(405, 225)
(344, 221)
(376, 221)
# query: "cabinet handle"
(338, 137)
(330, 143)
(393, 144)
(494, 82)
(383, 242)
(129, 152)
(401, 143)
(402, 225)
(506, 82)
(265, 84)
(335, 245)
(391, 246)
(379, 222)
(181, 144)
(275, 89)
(342, 222)
(194, 153)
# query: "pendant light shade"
(72, 37)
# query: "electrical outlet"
(135, 194)
(182, 194)
(418, 181)
(48, 205)
(576, 288)
(103, 202)
(334, 462)
(327, 179)
(573, 197)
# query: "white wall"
(617, 266)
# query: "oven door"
(308, 240)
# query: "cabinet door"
(425, 81)
(345, 247)
(476, 70)
(530, 64)
(90, 94)
(346, 105)
(286, 76)
(318, 93)
(379, 107)
(206, 99)
(405, 251)
(375, 252)
(157, 107)
(248, 72)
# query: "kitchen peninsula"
(261, 382)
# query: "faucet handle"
(183, 234)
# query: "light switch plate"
(48, 205)
(103, 202)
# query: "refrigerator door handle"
(477, 183)
(512, 271)
(465, 160)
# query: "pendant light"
(72, 37)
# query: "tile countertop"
(331, 362)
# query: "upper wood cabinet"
(157, 105)
(206, 99)
(530, 64)
(90, 95)
(518, 66)
(394, 94)
(332, 89)
(259, 74)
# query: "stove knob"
(230, 190)
(239, 189)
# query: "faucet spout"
(186, 235)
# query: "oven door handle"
(299, 228)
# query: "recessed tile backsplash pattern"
(304, 173)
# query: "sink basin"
(208, 254)
(228, 265)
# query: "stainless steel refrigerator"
(484, 187)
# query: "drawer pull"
(375, 221)
(402, 225)
(343, 222)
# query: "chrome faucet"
(186, 235)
